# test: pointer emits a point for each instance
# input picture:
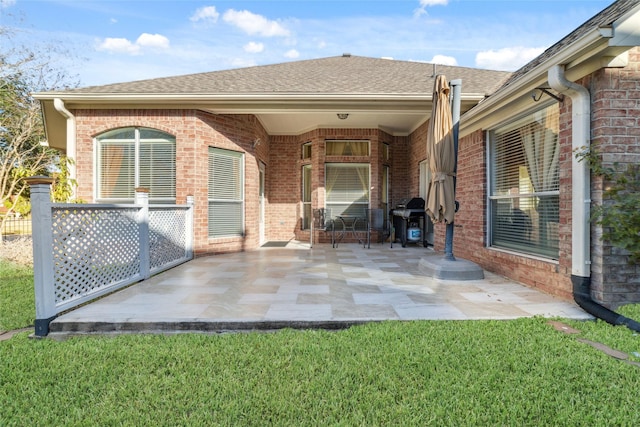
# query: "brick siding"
(616, 133)
(195, 131)
(616, 129)
(615, 97)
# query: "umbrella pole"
(455, 85)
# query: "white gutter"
(581, 186)
(245, 97)
(71, 139)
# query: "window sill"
(524, 255)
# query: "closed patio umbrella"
(442, 157)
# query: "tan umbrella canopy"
(440, 152)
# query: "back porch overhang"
(281, 114)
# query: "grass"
(520, 372)
(17, 306)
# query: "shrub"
(618, 215)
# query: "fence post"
(189, 228)
(43, 272)
(142, 198)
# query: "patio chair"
(322, 221)
(377, 223)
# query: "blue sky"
(110, 41)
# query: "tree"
(21, 133)
(22, 152)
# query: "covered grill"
(410, 221)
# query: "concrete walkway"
(299, 287)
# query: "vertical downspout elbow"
(581, 200)
(58, 104)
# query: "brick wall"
(195, 132)
(615, 95)
(470, 228)
(616, 134)
(285, 176)
(616, 129)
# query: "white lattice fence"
(83, 251)
(94, 248)
(169, 236)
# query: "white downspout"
(581, 201)
(58, 104)
(581, 185)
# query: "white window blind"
(226, 193)
(134, 157)
(347, 188)
(524, 184)
(157, 165)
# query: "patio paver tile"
(319, 284)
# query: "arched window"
(135, 157)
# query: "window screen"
(226, 193)
(524, 184)
(136, 157)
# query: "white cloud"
(508, 58)
(122, 45)
(422, 9)
(254, 24)
(292, 54)
(425, 3)
(156, 41)
(6, 3)
(444, 60)
(207, 14)
(253, 47)
(118, 45)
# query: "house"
(260, 148)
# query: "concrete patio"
(300, 287)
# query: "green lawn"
(17, 306)
(521, 372)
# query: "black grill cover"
(416, 203)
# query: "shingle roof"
(344, 75)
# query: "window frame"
(306, 151)
(539, 230)
(305, 196)
(328, 189)
(238, 202)
(133, 146)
